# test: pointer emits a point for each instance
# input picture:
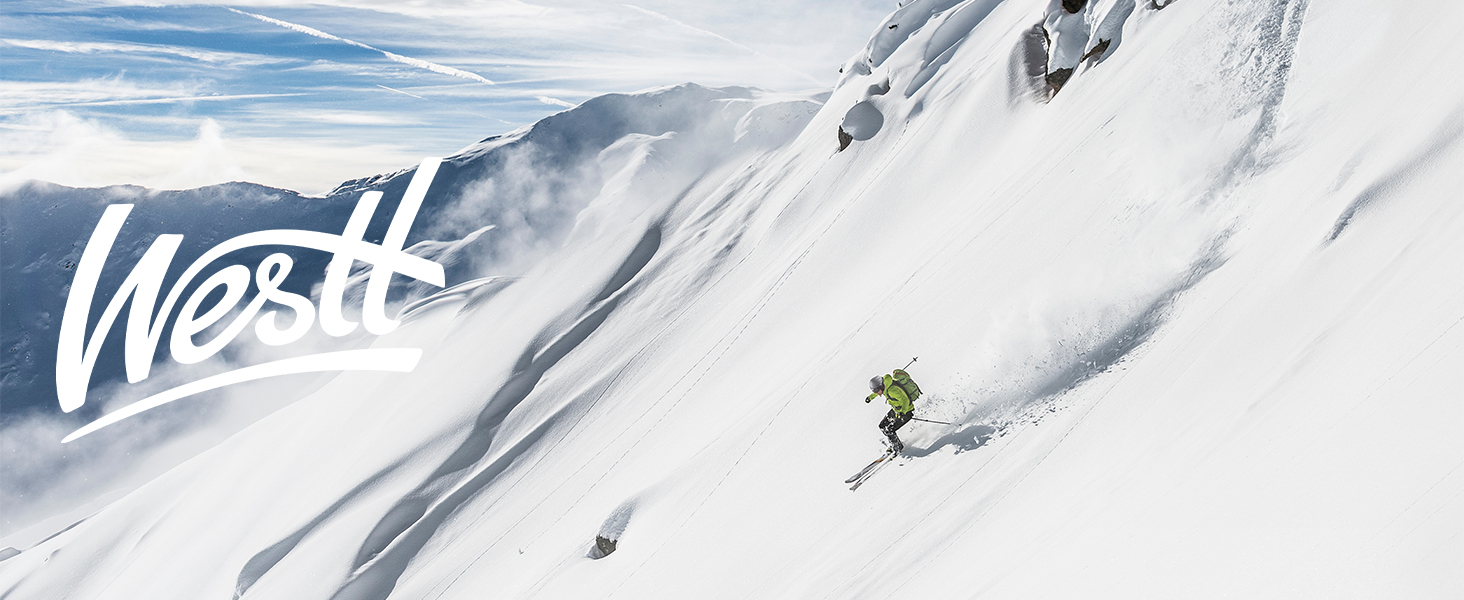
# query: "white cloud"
(209, 161)
(60, 147)
(232, 59)
(22, 97)
(419, 8)
(19, 96)
(555, 102)
(350, 117)
(174, 100)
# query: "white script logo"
(76, 356)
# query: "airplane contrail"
(406, 60)
(400, 92)
(173, 99)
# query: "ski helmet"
(876, 384)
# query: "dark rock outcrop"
(603, 547)
(1057, 78)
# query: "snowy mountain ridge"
(1192, 307)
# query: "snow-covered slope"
(494, 209)
(1196, 316)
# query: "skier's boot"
(896, 446)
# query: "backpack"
(903, 380)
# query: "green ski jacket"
(895, 396)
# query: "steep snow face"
(1196, 320)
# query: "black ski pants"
(893, 421)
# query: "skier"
(900, 392)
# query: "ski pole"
(930, 421)
(912, 361)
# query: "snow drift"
(1194, 310)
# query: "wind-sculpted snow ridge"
(1174, 314)
(415, 519)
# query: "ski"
(877, 466)
(866, 470)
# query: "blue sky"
(304, 96)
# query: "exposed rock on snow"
(614, 527)
(603, 547)
(1058, 78)
(1096, 52)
